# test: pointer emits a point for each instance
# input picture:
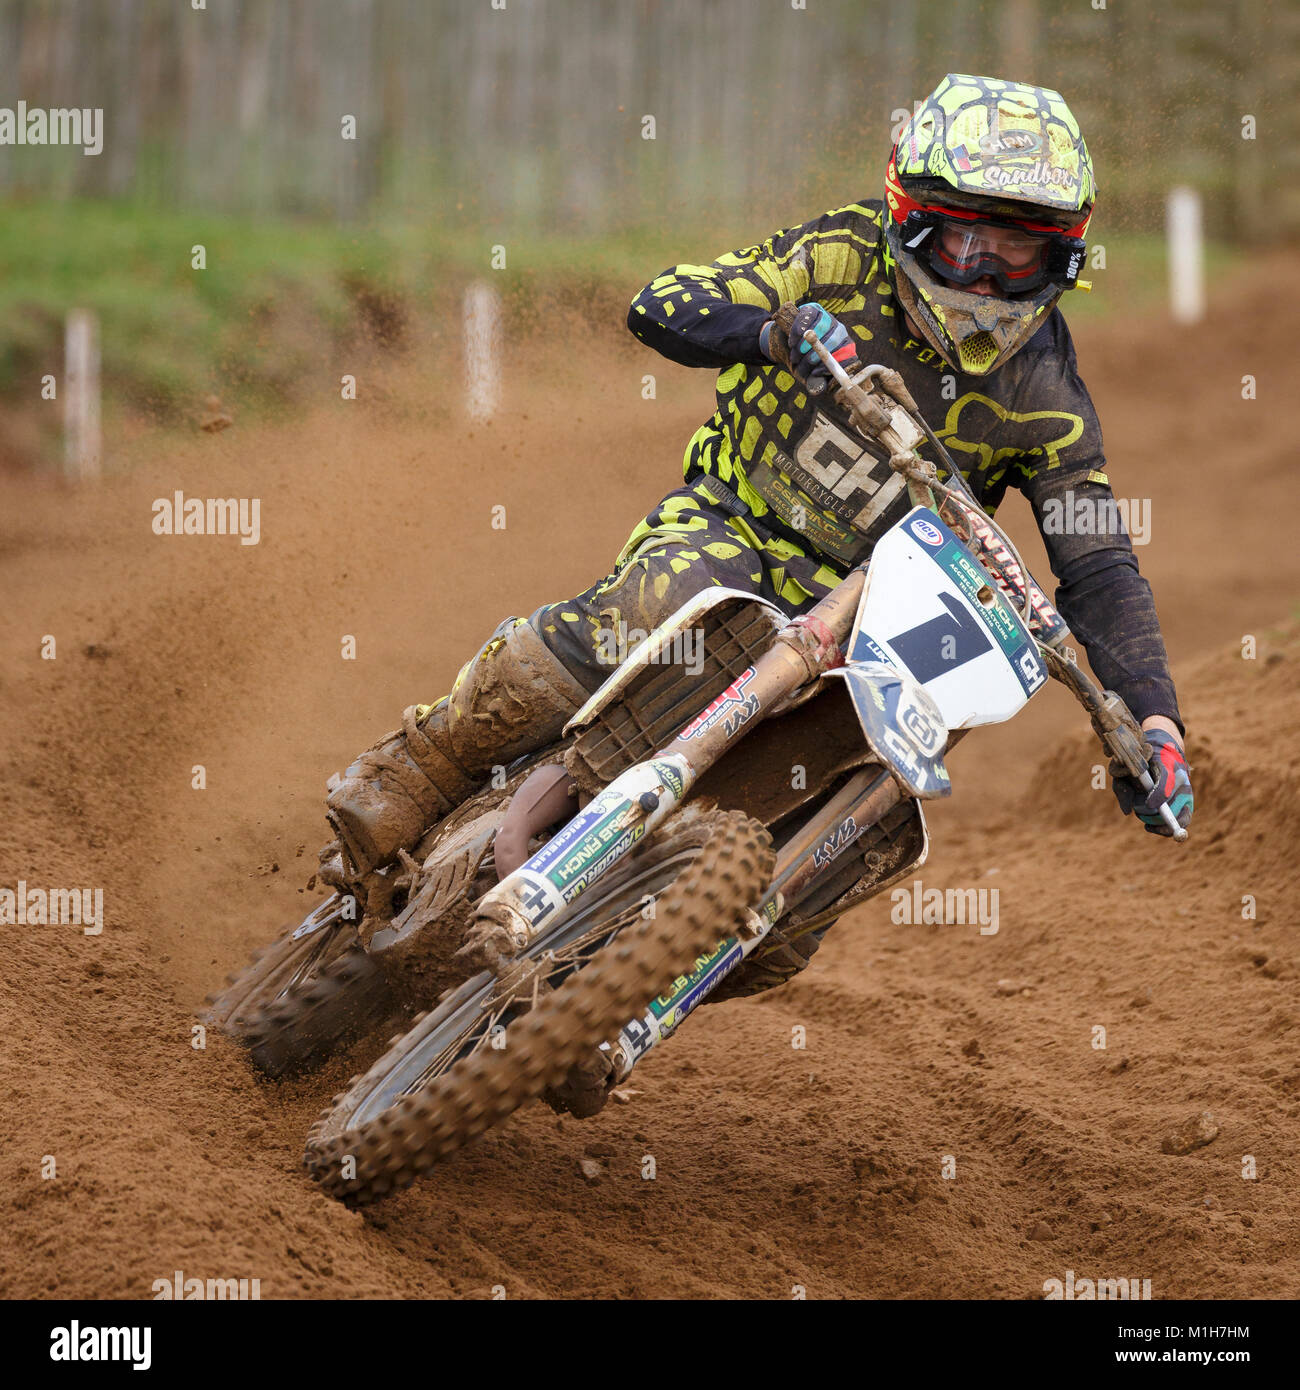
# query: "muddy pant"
(688, 543)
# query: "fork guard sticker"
(732, 709)
(603, 832)
(671, 776)
(573, 886)
(594, 845)
(665, 1014)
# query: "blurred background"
(524, 124)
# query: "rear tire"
(300, 1001)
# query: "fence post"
(482, 326)
(1186, 255)
(82, 441)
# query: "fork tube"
(857, 806)
(800, 652)
(861, 802)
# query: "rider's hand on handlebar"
(1173, 783)
(789, 349)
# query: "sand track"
(775, 1166)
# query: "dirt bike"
(691, 835)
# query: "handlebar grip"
(1166, 814)
(1171, 820)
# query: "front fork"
(867, 796)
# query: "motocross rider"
(953, 280)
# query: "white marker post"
(482, 318)
(82, 441)
(1186, 255)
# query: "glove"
(782, 341)
(1173, 783)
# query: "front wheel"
(498, 1043)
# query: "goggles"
(1020, 260)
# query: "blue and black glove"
(782, 341)
(1173, 783)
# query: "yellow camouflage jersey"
(796, 471)
(792, 464)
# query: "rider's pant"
(688, 543)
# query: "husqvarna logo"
(920, 726)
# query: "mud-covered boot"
(382, 802)
(512, 698)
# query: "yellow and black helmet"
(989, 191)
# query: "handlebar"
(900, 429)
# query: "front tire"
(423, 1099)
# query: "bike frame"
(540, 892)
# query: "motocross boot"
(512, 698)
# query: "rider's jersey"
(796, 470)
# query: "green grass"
(170, 331)
(279, 297)
(274, 297)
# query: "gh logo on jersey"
(855, 484)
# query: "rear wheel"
(497, 1043)
(304, 997)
